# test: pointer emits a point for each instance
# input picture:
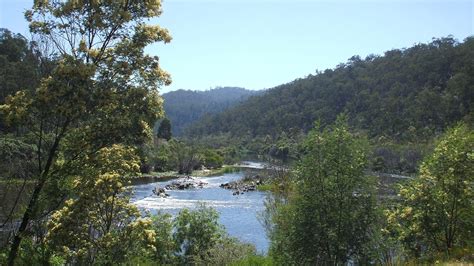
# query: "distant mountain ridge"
(183, 107)
(405, 94)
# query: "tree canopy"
(436, 212)
(329, 217)
(404, 94)
(164, 131)
(22, 66)
(102, 92)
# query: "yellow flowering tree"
(102, 92)
(436, 212)
(99, 224)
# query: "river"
(238, 213)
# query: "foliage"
(211, 159)
(254, 260)
(389, 157)
(20, 61)
(285, 147)
(194, 237)
(227, 251)
(183, 107)
(101, 92)
(282, 186)
(98, 224)
(156, 156)
(161, 155)
(164, 131)
(196, 233)
(185, 158)
(436, 211)
(16, 181)
(22, 66)
(165, 245)
(34, 254)
(330, 216)
(383, 247)
(17, 158)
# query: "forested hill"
(183, 107)
(404, 94)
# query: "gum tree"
(99, 225)
(436, 211)
(102, 91)
(330, 215)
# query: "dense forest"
(405, 94)
(183, 107)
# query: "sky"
(258, 44)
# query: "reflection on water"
(237, 213)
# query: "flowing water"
(237, 213)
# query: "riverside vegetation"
(78, 107)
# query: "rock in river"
(186, 183)
(160, 192)
(243, 185)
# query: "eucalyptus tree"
(99, 225)
(103, 91)
(164, 131)
(436, 210)
(329, 217)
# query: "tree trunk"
(24, 222)
(34, 198)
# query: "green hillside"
(404, 95)
(184, 107)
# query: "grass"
(265, 187)
(200, 173)
(218, 171)
(161, 174)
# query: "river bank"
(170, 175)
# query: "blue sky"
(260, 44)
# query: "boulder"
(160, 192)
(186, 183)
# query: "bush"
(436, 211)
(396, 158)
(226, 251)
(195, 237)
(211, 159)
